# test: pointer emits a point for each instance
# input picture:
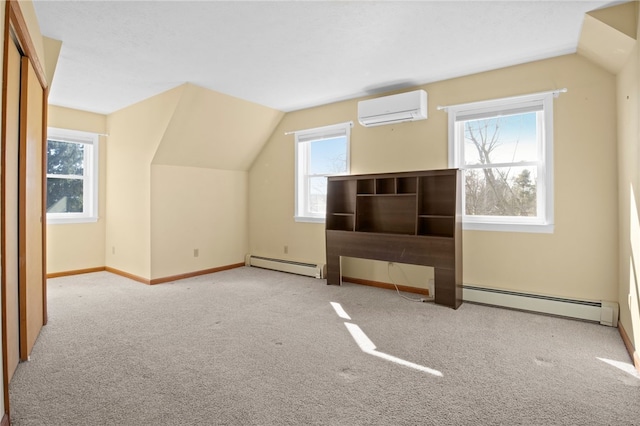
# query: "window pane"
(328, 156)
(64, 195)
(317, 194)
(504, 139)
(65, 158)
(504, 191)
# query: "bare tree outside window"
(500, 179)
(504, 149)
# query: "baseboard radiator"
(605, 313)
(299, 268)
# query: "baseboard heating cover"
(300, 268)
(605, 313)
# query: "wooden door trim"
(15, 23)
(22, 208)
(43, 214)
(3, 206)
(24, 39)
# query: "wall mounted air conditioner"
(408, 106)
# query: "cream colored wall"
(628, 107)
(217, 131)
(52, 51)
(134, 135)
(68, 118)
(197, 208)
(177, 181)
(271, 187)
(72, 247)
(578, 260)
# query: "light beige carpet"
(256, 347)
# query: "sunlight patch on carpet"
(624, 366)
(340, 311)
(368, 347)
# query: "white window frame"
(302, 160)
(90, 176)
(543, 222)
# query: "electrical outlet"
(286, 249)
(113, 249)
(196, 252)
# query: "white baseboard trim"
(292, 267)
(602, 312)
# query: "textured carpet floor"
(256, 347)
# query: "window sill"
(70, 220)
(309, 219)
(508, 227)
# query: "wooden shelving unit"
(408, 217)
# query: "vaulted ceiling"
(289, 55)
(209, 129)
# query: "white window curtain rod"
(555, 94)
(317, 129)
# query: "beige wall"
(628, 107)
(197, 208)
(78, 246)
(52, 51)
(216, 131)
(578, 260)
(177, 181)
(134, 135)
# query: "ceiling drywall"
(289, 55)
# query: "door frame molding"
(16, 25)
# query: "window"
(320, 152)
(504, 148)
(72, 170)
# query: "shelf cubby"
(341, 221)
(366, 186)
(435, 196)
(436, 226)
(407, 185)
(386, 214)
(343, 196)
(385, 186)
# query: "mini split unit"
(408, 106)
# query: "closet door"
(10, 210)
(31, 289)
